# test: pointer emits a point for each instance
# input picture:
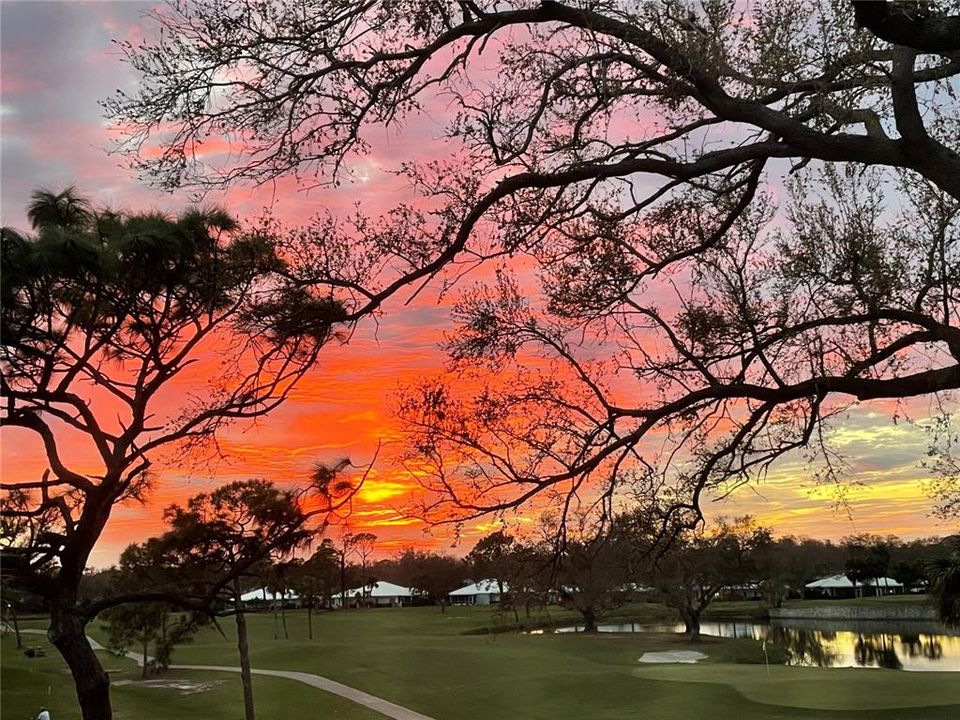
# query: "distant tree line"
(593, 575)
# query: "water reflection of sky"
(908, 646)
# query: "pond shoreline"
(868, 626)
(909, 645)
(893, 612)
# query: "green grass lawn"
(26, 684)
(421, 658)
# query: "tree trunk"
(310, 620)
(246, 677)
(363, 590)
(443, 606)
(691, 621)
(589, 620)
(283, 618)
(144, 649)
(16, 624)
(276, 626)
(91, 680)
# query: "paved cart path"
(373, 702)
(384, 707)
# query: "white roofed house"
(482, 592)
(840, 586)
(263, 597)
(378, 594)
(885, 586)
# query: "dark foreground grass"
(421, 658)
(26, 684)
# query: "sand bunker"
(673, 656)
(183, 687)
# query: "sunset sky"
(58, 60)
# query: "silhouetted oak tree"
(594, 575)
(697, 322)
(699, 563)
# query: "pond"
(914, 646)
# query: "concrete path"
(384, 707)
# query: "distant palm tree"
(66, 209)
(945, 586)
